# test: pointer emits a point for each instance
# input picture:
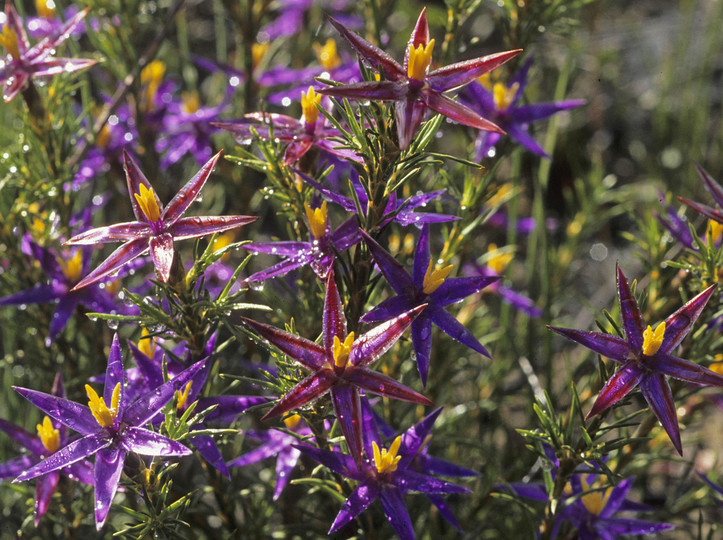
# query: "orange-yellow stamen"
(9, 40)
(191, 102)
(45, 8)
(309, 101)
(147, 345)
(596, 501)
(327, 54)
(716, 229)
(317, 219)
(292, 421)
(341, 350)
(182, 396)
(49, 436)
(497, 263)
(434, 278)
(652, 340)
(386, 461)
(419, 60)
(105, 416)
(504, 96)
(147, 201)
(72, 268)
(258, 51)
(151, 77)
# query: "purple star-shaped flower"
(319, 252)
(64, 271)
(410, 87)
(24, 61)
(302, 135)
(157, 226)
(51, 437)
(279, 444)
(340, 365)
(646, 357)
(501, 104)
(110, 428)
(424, 287)
(387, 474)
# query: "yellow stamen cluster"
(182, 396)
(292, 421)
(309, 101)
(652, 340)
(419, 60)
(386, 461)
(191, 102)
(72, 268)
(147, 201)
(151, 77)
(317, 219)
(147, 345)
(49, 436)
(9, 40)
(716, 229)
(341, 350)
(503, 96)
(258, 51)
(497, 263)
(486, 81)
(327, 55)
(434, 278)
(105, 416)
(596, 501)
(45, 8)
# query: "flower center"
(72, 268)
(104, 416)
(503, 96)
(309, 101)
(596, 501)
(419, 60)
(9, 40)
(385, 460)
(292, 421)
(45, 8)
(49, 436)
(191, 102)
(147, 201)
(434, 278)
(498, 262)
(258, 51)
(147, 345)
(652, 340)
(151, 77)
(317, 219)
(182, 396)
(341, 350)
(327, 55)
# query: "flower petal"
(74, 415)
(679, 323)
(161, 247)
(194, 227)
(114, 374)
(380, 384)
(368, 90)
(108, 469)
(392, 500)
(393, 271)
(630, 312)
(711, 185)
(618, 386)
(333, 319)
(23, 437)
(419, 36)
(309, 389)
(611, 347)
(147, 443)
(67, 455)
(683, 369)
(120, 232)
(358, 501)
(458, 112)
(347, 409)
(134, 179)
(454, 329)
(43, 493)
(454, 290)
(372, 344)
(124, 254)
(457, 75)
(658, 395)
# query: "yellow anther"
(309, 101)
(45, 8)
(222, 241)
(419, 60)
(434, 278)
(49, 436)
(486, 81)
(147, 201)
(596, 501)
(103, 137)
(292, 421)
(652, 340)
(716, 229)
(503, 96)
(341, 350)
(386, 461)
(327, 55)
(498, 262)
(105, 416)
(151, 77)
(191, 102)
(258, 51)
(182, 396)
(317, 219)
(147, 345)
(717, 367)
(72, 268)
(9, 40)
